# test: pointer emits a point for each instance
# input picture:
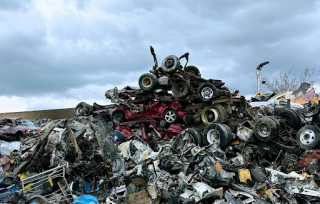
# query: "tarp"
(7, 147)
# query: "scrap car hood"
(27, 127)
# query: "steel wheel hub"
(213, 137)
(207, 93)
(188, 138)
(169, 63)
(79, 110)
(212, 115)
(307, 136)
(264, 130)
(180, 88)
(146, 82)
(170, 117)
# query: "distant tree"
(287, 82)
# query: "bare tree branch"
(287, 82)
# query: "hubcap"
(213, 137)
(307, 136)
(170, 117)
(146, 82)
(188, 138)
(180, 88)
(169, 63)
(80, 110)
(212, 115)
(264, 130)
(207, 93)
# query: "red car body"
(153, 110)
(15, 128)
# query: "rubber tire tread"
(222, 113)
(272, 124)
(86, 108)
(203, 85)
(294, 119)
(123, 117)
(154, 82)
(193, 69)
(196, 136)
(179, 94)
(224, 135)
(171, 69)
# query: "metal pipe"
(258, 81)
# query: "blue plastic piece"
(11, 190)
(86, 199)
(118, 136)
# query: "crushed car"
(15, 128)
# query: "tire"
(206, 92)
(82, 109)
(118, 116)
(195, 135)
(148, 82)
(276, 121)
(214, 114)
(230, 135)
(193, 69)
(291, 117)
(217, 135)
(170, 115)
(18, 136)
(265, 129)
(38, 199)
(162, 124)
(180, 89)
(308, 137)
(170, 64)
(224, 88)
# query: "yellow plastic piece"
(23, 175)
(244, 175)
(268, 192)
(259, 93)
(218, 166)
(50, 181)
(27, 187)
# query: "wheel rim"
(206, 93)
(307, 136)
(79, 110)
(213, 137)
(169, 63)
(212, 115)
(170, 116)
(146, 82)
(180, 88)
(117, 117)
(264, 130)
(188, 138)
(162, 123)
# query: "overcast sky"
(57, 53)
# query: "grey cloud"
(13, 4)
(105, 41)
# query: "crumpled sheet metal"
(173, 171)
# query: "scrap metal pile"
(178, 138)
